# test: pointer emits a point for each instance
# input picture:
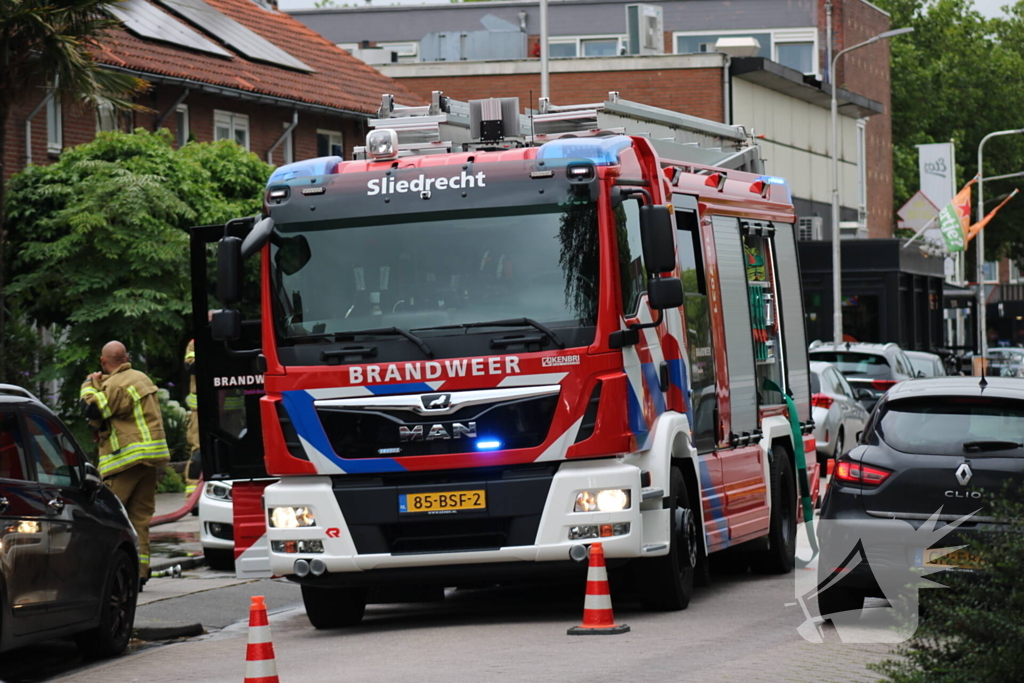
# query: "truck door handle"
(57, 505)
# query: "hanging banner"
(937, 173)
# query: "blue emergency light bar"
(601, 151)
(308, 168)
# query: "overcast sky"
(989, 8)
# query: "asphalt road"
(742, 628)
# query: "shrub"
(170, 482)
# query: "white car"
(216, 528)
(838, 415)
(926, 364)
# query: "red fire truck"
(492, 339)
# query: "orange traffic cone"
(260, 665)
(598, 619)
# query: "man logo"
(437, 432)
(436, 401)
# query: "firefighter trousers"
(135, 487)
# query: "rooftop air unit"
(645, 30)
(810, 229)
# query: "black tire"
(117, 617)
(666, 582)
(334, 607)
(838, 599)
(219, 559)
(779, 552)
(837, 452)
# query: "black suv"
(70, 557)
(941, 447)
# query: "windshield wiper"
(383, 331)
(977, 446)
(511, 322)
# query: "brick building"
(233, 69)
(777, 87)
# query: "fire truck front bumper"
(522, 522)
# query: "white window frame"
(54, 126)
(862, 171)
(1015, 273)
(106, 114)
(778, 35)
(405, 50)
(182, 140)
(234, 122)
(579, 40)
(332, 134)
(995, 272)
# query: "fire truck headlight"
(291, 517)
(607, 500)
(382, 144)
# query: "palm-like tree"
(51, 42)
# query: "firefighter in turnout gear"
(192, 472)
(122, 407)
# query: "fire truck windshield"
(421, 270)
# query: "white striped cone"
(260, 664)
(598, 618)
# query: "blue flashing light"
(308, 168)
(773, 180)
(602, 151)
(488, 444)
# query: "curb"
(168, 632)
(167, 562)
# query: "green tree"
(50, 42)
(956, 77)
(100, 245)
(972, 632)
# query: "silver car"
(926, 364)
(838, 415)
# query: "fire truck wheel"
(666, 582)
(779, 551)
(334, 607)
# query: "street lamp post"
(837, 277)
(979, 254)
(544, 86)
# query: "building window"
(688, 43)
(862, 172)
(106, 118)
(329, 144)
(230, 126)
(181, 124)
(54, 126)
(406, 52)
(799, 56)
(586, 46)
(1015, 276)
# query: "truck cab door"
(229, 385)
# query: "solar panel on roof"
(146, 21)
(232, 33)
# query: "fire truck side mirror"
(656, 234)
(229, 270)
(664, 292)
(226, 325)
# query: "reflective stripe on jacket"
(134, 426)
(190, 358)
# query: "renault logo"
(963, 474)
(436, 401)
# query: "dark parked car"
(70, 561)
(869, 368)
(949, 442)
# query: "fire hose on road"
(190, 503)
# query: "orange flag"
(976, 228)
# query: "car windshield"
(853, 364)
(925, 366)
(954, 425)
(417, 271)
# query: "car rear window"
(815, 383)
(854, 364)
(960, 426)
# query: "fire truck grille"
(356, 433)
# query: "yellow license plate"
(447, 501)
(958, 558)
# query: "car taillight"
(882, 384)
(861, 475)
(821, 401)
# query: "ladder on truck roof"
(447, 125)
